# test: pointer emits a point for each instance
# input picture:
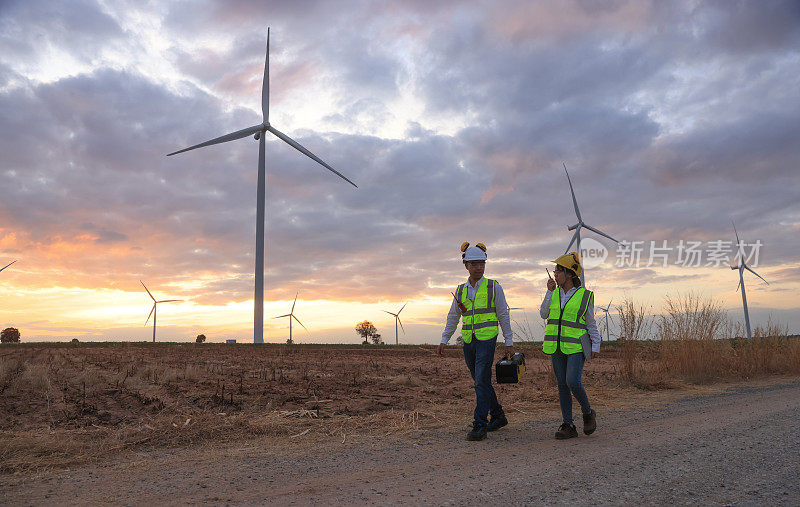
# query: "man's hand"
(551, 284)
(509, 350)
(440, 350)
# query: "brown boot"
(589, 422)
(566, 431)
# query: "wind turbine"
(291, 316)
(605, 310)
(258, 132)
(7, 265)
(741, 267)
(577, 227)
(153, 311)
(396, 321)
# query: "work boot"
(478, 432)
(495, 423)
(566, 431)
(589, 422)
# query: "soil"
(722, 446)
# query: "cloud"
(670, 126)
(30, 30)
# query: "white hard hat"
(473, 253)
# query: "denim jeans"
(479, 356)
(568, 370)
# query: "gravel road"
(740, 446)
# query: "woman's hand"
(551, 284)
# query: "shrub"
(9, 335)
(200, 338)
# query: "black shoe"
(589, 422)
(478, 432)
(566, 431)
(496, 423)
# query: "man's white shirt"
(500, 304)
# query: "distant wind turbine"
(258, 132)
(292, 316)
(605, 310)
(153, 311)
(577, 227)
(741, 267)
(7, 265)
(396, 321)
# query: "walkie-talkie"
(460, 304)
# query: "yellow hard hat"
(571, 261)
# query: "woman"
(569, 310)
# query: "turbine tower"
(396, 321)
(291, 316)
(741, 267)
(577, 227)
(258, 132)
(7, 265)
(153, 311)
(605, 310)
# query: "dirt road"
(738, 446)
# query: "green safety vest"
(480, 319)
(566, 327)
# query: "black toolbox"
(510, 369)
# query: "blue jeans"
(568, 370)
(479, 356)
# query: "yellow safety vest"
(566, 327)
(480, 319)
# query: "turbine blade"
(279, 316)
(740, 283)
(223, 139)
(401, 324)
(575, 235)
(609, 304)
(574, 201)
(298, 321)
(738, 242)
(294, 144)
(750, 270)
(390, 313)
(295, 302)
(265, 86)
(7, 265)
(168, 300)
(149, 314)
(148, 291)
(401, 309)
(600, 232)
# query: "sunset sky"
(453, 118)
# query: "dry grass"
(699, 344)
(62, 405)
(635, 324)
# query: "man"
(482, 305)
